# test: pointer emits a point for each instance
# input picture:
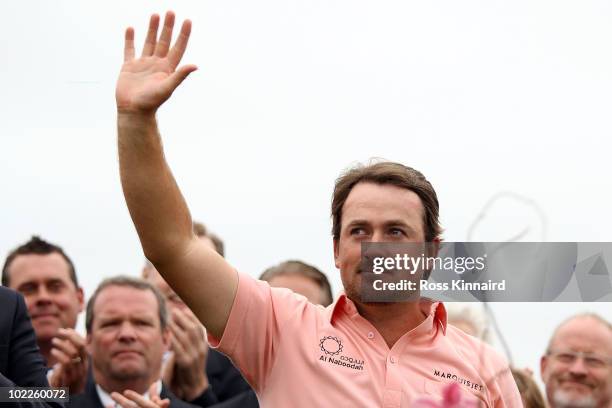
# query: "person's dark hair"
(219, 246)
(129, 282)
(36, 246)
(395, 174)
(530, 393)
(301, 268)
(199, 229)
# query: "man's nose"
(578, 367)
(127, 332)
(378, 236)
(42, 296)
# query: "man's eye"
(358, 231)
(396, 232)
(594, 362)
(55, 287)
(566, 358)
(27, 289)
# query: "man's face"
(299, 284)
(126, 341)
(173, 301)
(580, 382)
(53, 300)
(374, 213)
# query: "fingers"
(188, 333)
(131, 399)
(186, 318)
(162, 403)
(74, 337)
(70, 343)
(151, 40)
(63, 351)
(128, 49)
(162, 46)
(176, 53)
(178, 76)
(56, 378)
(123, 401)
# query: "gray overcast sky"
(481, 96)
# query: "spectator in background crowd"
(577, 366)
(192, 366)
(46, 277)
(301, 278)
(127, 335)
(21, 364)
(530, 393)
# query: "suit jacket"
(228, 385)
(90, 398)
(21, 363)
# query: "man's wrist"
(198, 388)
(204, 399)
(126, 119)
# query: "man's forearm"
(154, 200)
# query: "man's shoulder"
(8, 297)
(10, 318)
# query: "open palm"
(146, 82)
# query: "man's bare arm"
(202, 278)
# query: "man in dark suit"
(92, 399)
(127, 335)
(46, 277)
(21, 363)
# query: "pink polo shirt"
(296, 354)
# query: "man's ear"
(166, 338)
(543, 365)
(434, 247)
(336, 244)
(81, 298)
(88, 346)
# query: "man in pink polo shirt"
(292, 352)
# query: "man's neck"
(392, 320)
(110, 385)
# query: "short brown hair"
(36, 246)
(130, 282)
(301, 268)
(395, 174)
(201, 231)
(218, 242)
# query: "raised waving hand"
(148, 81)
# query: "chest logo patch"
(332, 348)
(331, 345)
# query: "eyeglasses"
(590, 360)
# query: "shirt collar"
(428, 306)
(106, 399)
